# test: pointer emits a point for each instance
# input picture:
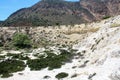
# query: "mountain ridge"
(51, 12)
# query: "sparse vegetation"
(53, 15)
(18, 56)
(2, 57)
(1, 23)
(115, 25)
(81, 31)
(52, 61)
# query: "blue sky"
(7, 7)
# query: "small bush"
(61, 75)
(55, 62)
(9, 66)
(37, 64)
(21, 40)
(46, 77)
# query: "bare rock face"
(102, 8)
(95, 7)
(113, 6)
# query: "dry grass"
(115, 25)
(81, 31)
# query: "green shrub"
(21, 40)
(55, 62)
(37, 64)
(52, 61)
(9, 66)
(61, 75)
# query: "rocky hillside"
(46, 13)
(101, 8)
(1, 23)
(60, 12)
(95, 56)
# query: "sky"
(7, 7)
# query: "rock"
(91, 75)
